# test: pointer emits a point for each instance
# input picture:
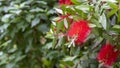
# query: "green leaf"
(48, 46)
(116, 27)
(75, 2)
(60, 25)
(112, 12)
(92, 25)
(5, 43)
(42, 2)
(69, 58)
(54, 42)
(6, 18)
(16, 11)
(20, 58)
(37, 10)
(35, 21)
(112, 1)
(97, 41)
(84, 8)
(118, 16)
(106, 36)
(96, 22)
(43, 28)
(113, 5)
(103, 21)
(65, 23)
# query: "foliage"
(29, 40)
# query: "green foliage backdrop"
(28, 39)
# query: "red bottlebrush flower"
(79, 29)
(65, 2)
(108, 54)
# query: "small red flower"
(65, 2)
(79, 29)
(108, 54)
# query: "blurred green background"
(23, 25)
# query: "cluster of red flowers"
(79, 28)
(65, 2)
(80, 31)
(108, 54)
